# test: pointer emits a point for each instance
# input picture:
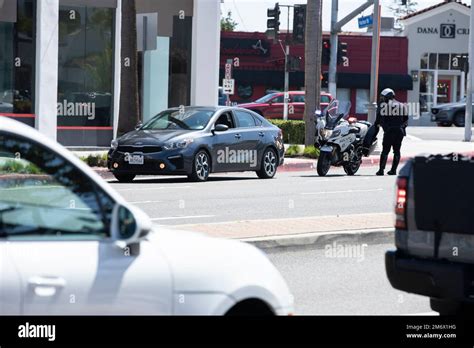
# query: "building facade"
(60, 62)
(438, 39)
(261, 67)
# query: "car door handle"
(47, 282)
(261, 134)
(238, 136)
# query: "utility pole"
(468, 118)
(334, 45)
(374, 74)
(313, 56)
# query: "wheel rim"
(202, 166)
(269, 163)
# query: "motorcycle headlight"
(182, 144)
(326, 133)
(114, 144)
(336, 133)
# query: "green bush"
(293, 131)
(293, 150)
(95, 160)
(311, 152)
(19, 167)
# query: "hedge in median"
(293, 131)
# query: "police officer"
(393, 117)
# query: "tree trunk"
(129, 106)
(313, 48)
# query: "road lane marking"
(182, 217)
(146, 202)
(336, 192)
(153, 188)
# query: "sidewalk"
(293, 227)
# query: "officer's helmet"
(388, 94)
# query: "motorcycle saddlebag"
(444, 194)
(370, 140)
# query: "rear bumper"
(432, 278)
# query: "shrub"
(293, 150)
(293, 131)
(95, 160)
(311, 152)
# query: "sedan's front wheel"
(269, 165)
(124, 177)
(201, 167)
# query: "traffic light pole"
(334, 45)
(287, 82)
(468, 116)
(374, 74)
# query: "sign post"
(228, 84)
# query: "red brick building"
(261, 67)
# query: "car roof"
(21, 129)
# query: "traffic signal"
(326, 53)
(299, 24)
(341, 52)
(273, 22)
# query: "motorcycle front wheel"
(324, 163)
(352, 167)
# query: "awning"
(275, 79)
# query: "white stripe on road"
(146, 202)
(182, 217)
(154, 188)
(335, 192)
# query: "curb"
(320, 240)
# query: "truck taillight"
(401, 204)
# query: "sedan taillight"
(401, 203)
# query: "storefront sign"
(245, 47)
(445, 31)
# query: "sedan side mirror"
(129, 226)
(221, 128)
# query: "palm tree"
(313, 49)
(129, 109)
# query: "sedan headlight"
(325, 133)
(182, 144)
(114, 144)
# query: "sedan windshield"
(191, 119)
(266, 98)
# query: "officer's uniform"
(392, 116)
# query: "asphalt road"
(237, 197)
(326, 285)
(437, 133)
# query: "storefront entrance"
(444, 91)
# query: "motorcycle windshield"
(336, 111)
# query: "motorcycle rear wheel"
(324, 163)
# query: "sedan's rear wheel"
(460, 119)
(269, 164)
(201, 167)
(124, 177)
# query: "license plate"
(136, 159)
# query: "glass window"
(362, 100)
(325, 99)
(17, 61)
(426, 90)
(43, 195)
(344, 94)
(298, 98)
(191, 119)
(85, 86)
(278, 99)
(244, 119)
(433, 64)
(424, 61)
(443, 62)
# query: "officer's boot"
(383, 163)
(396, 161)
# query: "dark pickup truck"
(434, 232)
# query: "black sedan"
(198, 141)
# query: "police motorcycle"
(342, 139)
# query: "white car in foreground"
(70, 245)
